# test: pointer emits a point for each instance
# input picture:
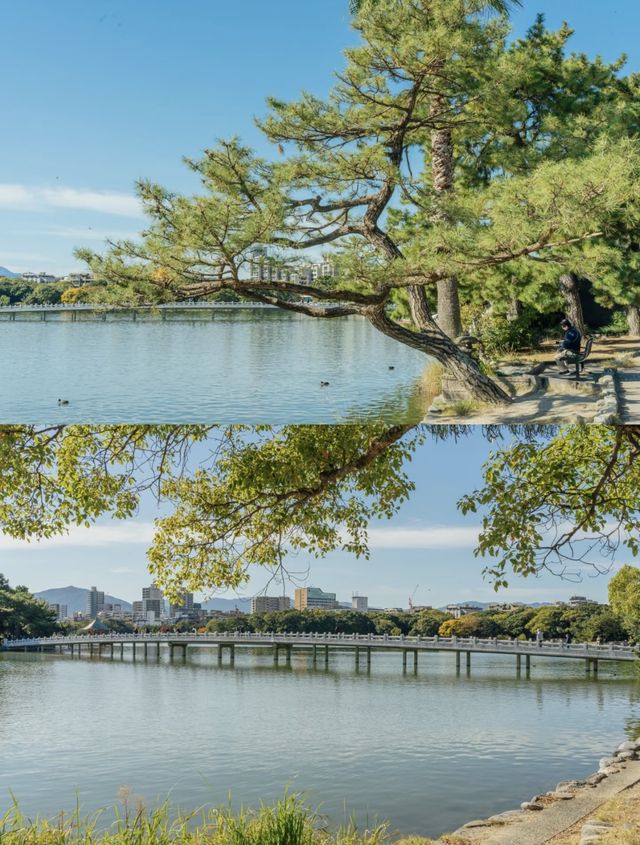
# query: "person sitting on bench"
(570, 346)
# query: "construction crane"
(411, 598)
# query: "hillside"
(75, 598)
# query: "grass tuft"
(288, 822)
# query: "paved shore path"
(629, 386)
(540, 827)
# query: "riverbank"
(607, 392)
(601, 809)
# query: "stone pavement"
(629, 388)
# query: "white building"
(360, 603)
(38, 278)
(459, 610)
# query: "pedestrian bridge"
(84, 311)
(321, 645)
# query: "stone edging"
(532, 812)
(609, 406)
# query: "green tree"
(552, 621)
(346, 165)
(598, 623)
(22, 615)
(427, 623)
(624, 598)
(560, 503)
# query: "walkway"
(538, 828)
(323, 644)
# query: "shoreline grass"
(287, 822)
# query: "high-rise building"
(360, 603)
(314, 597)
(184, 608)
(270, 604)
(152, 601)
(94, 602)
(62, 611)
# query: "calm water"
(226, 366)
(427, 751)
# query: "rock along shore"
(545, 816)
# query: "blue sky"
(429, 543)
(99, 94)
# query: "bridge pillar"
(527, 663)
(146, 650)
(315, 654)
(518, 664)
(591, 663)
(72, 649)
(158, 650)
(221, 646)
(112, 651)
(468, 662)
(121, 651)
(404, 659)
(458, 662)
(368, 657)
(357, 657)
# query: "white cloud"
(20, 197)
(129, 533)
(431, 537)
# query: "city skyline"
(429, 543)
(73, 185)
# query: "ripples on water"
(427, 751)
(226, 366)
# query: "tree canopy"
(22, 615)
(431, 92)
(239, 497)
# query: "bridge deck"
(552, 648)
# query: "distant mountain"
(227, 605)
(8, 274)
(75, 598)
(484, 605)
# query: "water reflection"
(427, 750)
(241, 365)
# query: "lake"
(427, 751)
(223, 365)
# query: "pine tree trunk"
(434, 342)
(515, 310)
(442, 169)
(633, 319)
(570, 288)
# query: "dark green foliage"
(22, 615)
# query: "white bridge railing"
(547, 648)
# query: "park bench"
(579, 358)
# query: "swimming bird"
(325, 383)
(392, 368)
(63, 401)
